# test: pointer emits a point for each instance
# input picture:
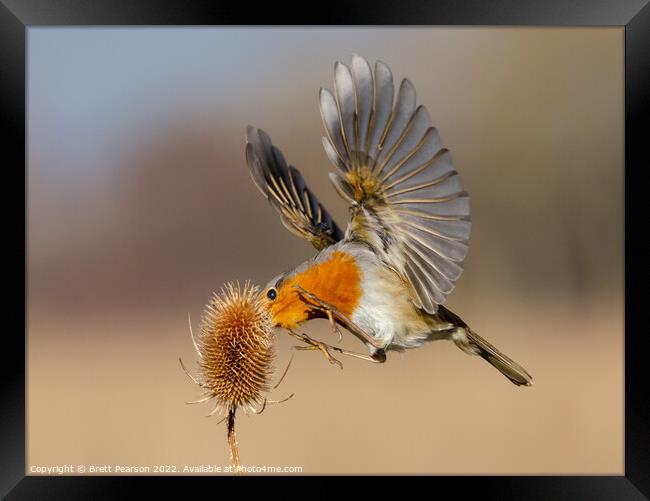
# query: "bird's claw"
(324, 348)
(317, 345)
(337, 331)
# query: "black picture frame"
(17, 16)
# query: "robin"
(386, 278)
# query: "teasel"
(235, 348)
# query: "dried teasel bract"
(235, 348)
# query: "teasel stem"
(232, 439)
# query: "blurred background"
(140, 205)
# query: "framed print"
(480, 227)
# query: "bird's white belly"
(385, 310)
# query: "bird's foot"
(317, 345)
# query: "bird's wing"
(407, 200)
(283, 186)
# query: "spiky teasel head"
(235, 347)
(235, 353)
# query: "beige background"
(140, 205)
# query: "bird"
(386, 277)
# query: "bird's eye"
(272, 294)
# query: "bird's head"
(334, 279)
(284, 302)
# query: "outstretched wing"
(283, 186)
(408, 201)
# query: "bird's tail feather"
(472, 343)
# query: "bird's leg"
(335, 328)
(303, 337)
(336, 314)
(378, 357)
(315, 345)
(369, 358)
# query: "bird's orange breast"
(336, 281)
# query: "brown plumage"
(235, 354)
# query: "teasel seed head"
(236, 347)
(235, 353)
